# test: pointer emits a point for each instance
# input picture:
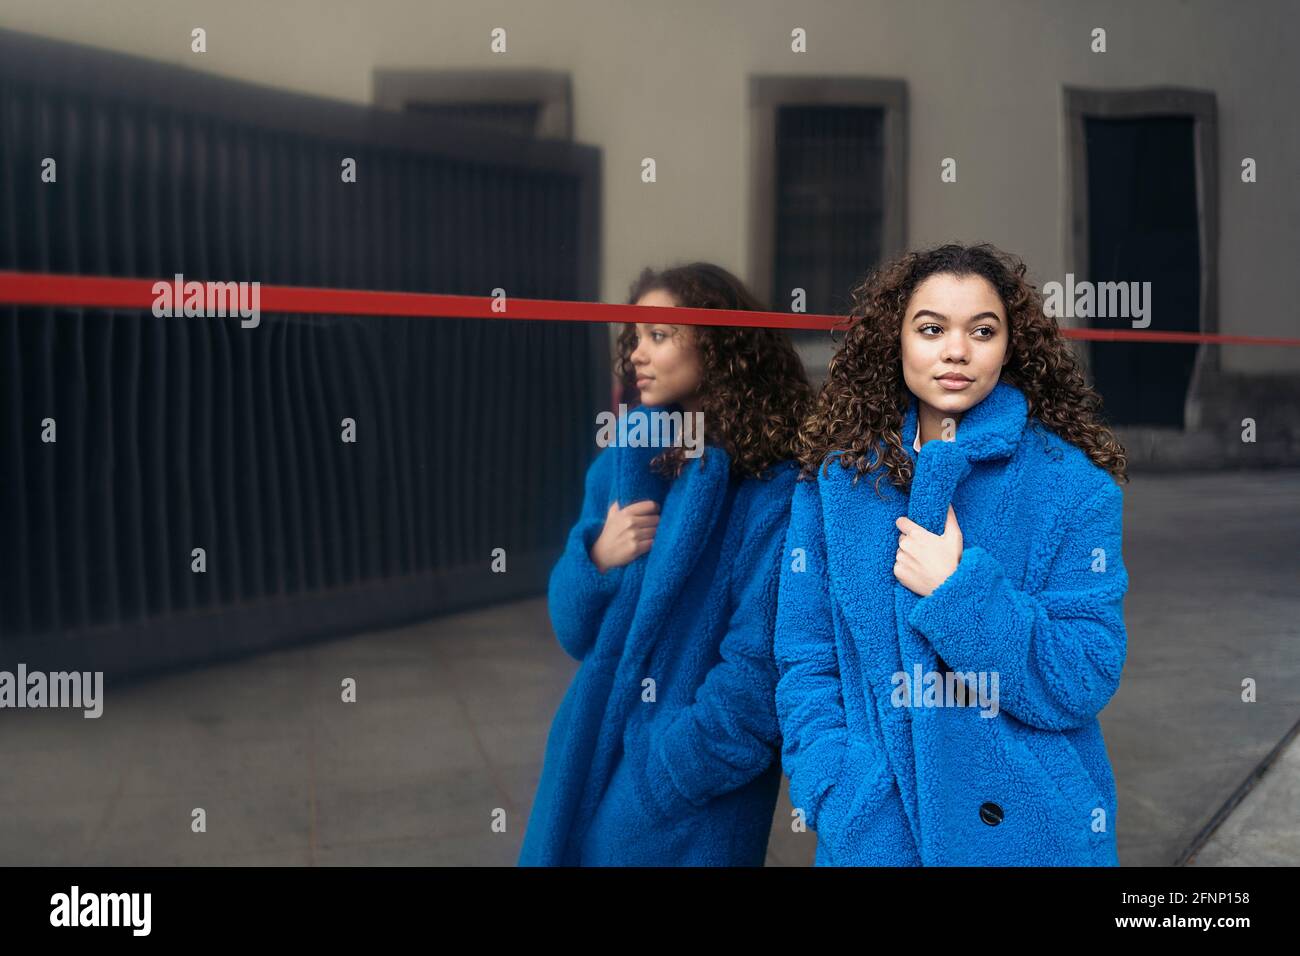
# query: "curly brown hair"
(754, 391)
(862, 405)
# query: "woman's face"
(666, 363)
(954, 342)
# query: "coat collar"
(698, 495)
(989, 431)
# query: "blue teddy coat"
(692, 777)
(1036, 597)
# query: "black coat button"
(991, 814)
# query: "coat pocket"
(1081, 808)
(862, 822)
(648, 778)
(995, 792)
(641, 820)
(622, 833)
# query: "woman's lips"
(642, 382)
(954, 384)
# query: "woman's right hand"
(628, 534)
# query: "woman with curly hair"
(948, 632)
(665, 749)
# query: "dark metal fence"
(183, 433)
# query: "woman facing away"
(953, 627)
(665, 749)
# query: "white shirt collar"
(916, 445)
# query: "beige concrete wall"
(667, 78)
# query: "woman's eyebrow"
(939, 315)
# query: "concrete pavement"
(452, 715)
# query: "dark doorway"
(1143, 227)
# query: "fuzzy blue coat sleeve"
(836, 778)
(729, 734)
(1058, 652)
(578, 594)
